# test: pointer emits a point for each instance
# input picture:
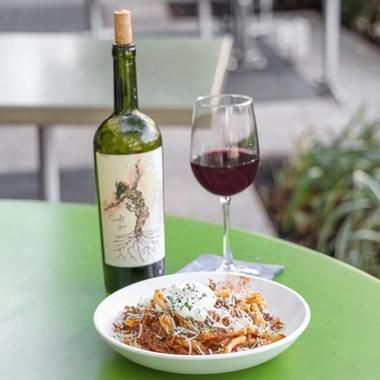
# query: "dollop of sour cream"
(190, 299)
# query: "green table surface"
(51, 282)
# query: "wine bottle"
(129, 176)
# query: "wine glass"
(225, 154)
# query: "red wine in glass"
(225, 172)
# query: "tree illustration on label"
(139, 244)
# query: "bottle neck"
(124, 77)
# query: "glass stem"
(227, 253)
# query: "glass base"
(209, 262)
(229, 266)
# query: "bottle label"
(131, 207)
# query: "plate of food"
(202, 322)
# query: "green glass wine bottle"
(129, 176)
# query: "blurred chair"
(292, 40)
(247, 56)
(150, 17)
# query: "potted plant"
(327, 196)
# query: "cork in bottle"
(123, 27)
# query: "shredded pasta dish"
(190, 318)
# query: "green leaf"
(363, 179)
(342, 240)
(366, 235)
(330, 224)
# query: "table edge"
(222, 65)
(174, 217)
(77, 115)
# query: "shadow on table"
(118, 367)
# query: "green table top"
(51, 281)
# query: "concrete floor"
(280, 123)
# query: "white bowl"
(284, 303)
